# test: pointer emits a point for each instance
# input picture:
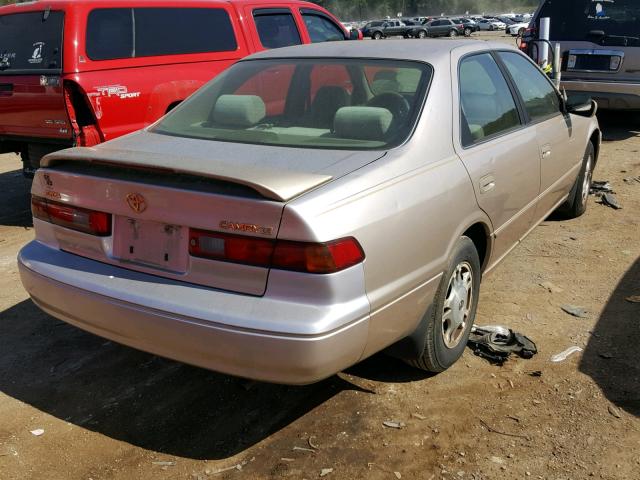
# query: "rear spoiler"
(279, 185)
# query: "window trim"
(516, 100)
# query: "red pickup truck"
(80, 73)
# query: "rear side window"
(540, 98)
(487, 105)
(321, 29)
(31, 41)
(174, 31)
(142, 32)
(110, 34)
(276, 28)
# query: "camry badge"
(136, 202)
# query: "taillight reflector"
(306, 257)
(75, 218)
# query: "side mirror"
(354, 34)
(583, 108)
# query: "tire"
(422, 34)
(491, 28)
(467, 32)
(376, 36)
(577, 202)
(453, 33)
(445, 344)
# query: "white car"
(491, 25)
(517, 29)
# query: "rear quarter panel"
(407, 210)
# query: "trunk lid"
(276, 173)
(32, 102)
(156, 193)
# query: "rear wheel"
(453, 33)
(422, 34)
(376, 36)
(576, 204)
(450, 320)
(467, 32)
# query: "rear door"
(32, 102)
(499, 152)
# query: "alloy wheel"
(457, 305)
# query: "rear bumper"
(609, 95)
(210, 342)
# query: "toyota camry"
(310, 207)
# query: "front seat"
(328, 100)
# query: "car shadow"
(617, 125)
(147, 401)
(15, 208)
(611, 356)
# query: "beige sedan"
(310, 207)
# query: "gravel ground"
(110, 412)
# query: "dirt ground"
(110, 412)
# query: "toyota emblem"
(136, 202)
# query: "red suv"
(80, 73)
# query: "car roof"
(430, 51)
(64, 4)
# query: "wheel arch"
(596, 140)
(479, 233)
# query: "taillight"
(306, 257)
(75, 218)
(230, 248)
(317, 257)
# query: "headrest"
(362, 123)
(238, 110)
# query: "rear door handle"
(487, 183)
(545, 150)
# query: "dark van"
(600, 45)
(80, 73)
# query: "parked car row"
(439, 27)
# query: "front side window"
(276, 29)
(321, 30)
(319, 103)
(487, 105)
(114, 33)
(539, 97)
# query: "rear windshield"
(31, 41)
(602, 21)
(308, 103)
